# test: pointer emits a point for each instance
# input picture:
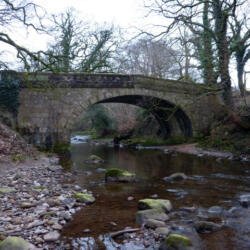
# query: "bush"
(9, 91)
(101, 123)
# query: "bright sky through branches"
(129, 15)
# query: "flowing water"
(211, 182)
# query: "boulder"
(151, 223)
(119, 175)
(155, 203)
(84, 197)
(15, 243)
(144, 215)
(176, 241)
(51, 236)
(163, 231)
(95, 159)
(175, 177)
(206, 226)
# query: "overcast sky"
(123, 12)
(129, 15)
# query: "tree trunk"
(240, 72)
(206, 53)
(221, 23)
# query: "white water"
(77, 139)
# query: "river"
(211, 182)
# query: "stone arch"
(164, 111)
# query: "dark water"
(211, 183)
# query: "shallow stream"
(211, 182)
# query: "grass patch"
(18, 158)
(152, 141)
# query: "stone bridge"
(50, 104)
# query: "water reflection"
(210, 183)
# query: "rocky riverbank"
(37, 198)
(194, 149)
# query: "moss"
(177, 240)
(61, 148)
(14, 243)
(144, 141)
(118, 175)
(116, 172)
(176, 140)
(155, 204)
(84, 197)
(152, 141)
(4, 190)
(39, 188)
(95, 158)
(18, 158)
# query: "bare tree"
(23, 12)
(240, 46)
(149, 57)
(77, 46)
(212, 19)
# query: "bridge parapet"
(109, 80)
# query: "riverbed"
(212, 183)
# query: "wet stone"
(207, 226)
(245, 200)
(163, 231)
(175, 177)
(151, 223)
(215, 210)
(176, 241)
(159, 204)
(155, 214)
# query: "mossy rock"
(39, 188)
(15, 243)
(177, 241)
(94, 159)
(119, 175)
(155, 204)
(84, 197)
(6, 190)
(18, 158)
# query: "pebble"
(130, 198)
(57, 226)
(39, 205)
(51, 236)
(27, 205)
(87, 230)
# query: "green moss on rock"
(95, 159)
(155, 204)
(5, 190)
(84, 197)
(178, 241)
(119, 175)
(15, 243)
